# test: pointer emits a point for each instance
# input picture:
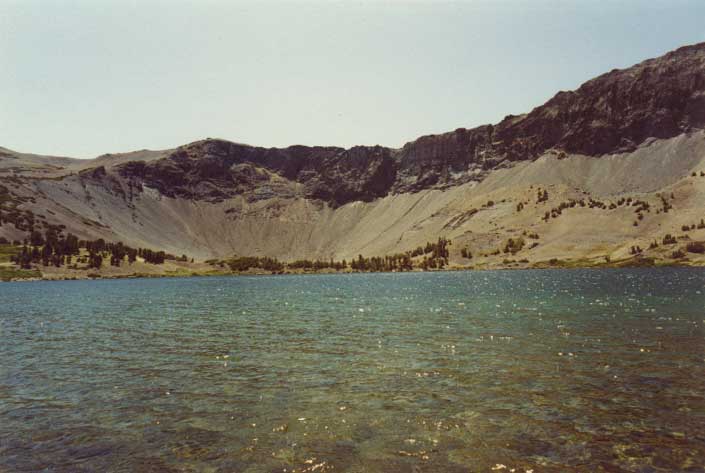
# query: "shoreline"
(563, 265)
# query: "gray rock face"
(615, 112)
(334, 175)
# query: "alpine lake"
(494, 371)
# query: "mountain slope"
(635, 132)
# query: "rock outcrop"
(615, 112)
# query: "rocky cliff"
(616, 112)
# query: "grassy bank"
(13, 274)
(265, 266)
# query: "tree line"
(53, 248)
(435, 256)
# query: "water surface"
(543, 371)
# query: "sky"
(89, 77)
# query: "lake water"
(543, 371)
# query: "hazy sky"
(83, 78)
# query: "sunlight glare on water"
(527, 371)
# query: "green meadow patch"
(8, 273)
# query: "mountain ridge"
(633, 132)
(615, 112)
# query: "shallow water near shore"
(543, 371)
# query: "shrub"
(678, 254)
(514, 245)
(695, 247)
(669, 239)
(542, 196)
